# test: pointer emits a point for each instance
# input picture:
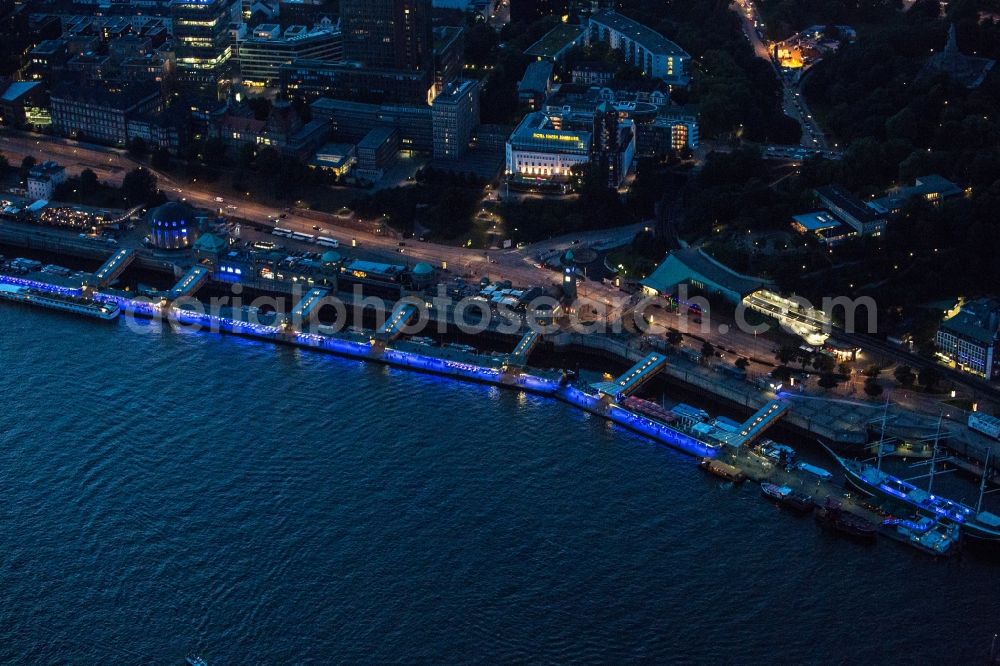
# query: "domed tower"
(173, 226)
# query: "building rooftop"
(692, 263)
(376, 137)
(45, 170)
(555, 41)
(536, 77)
(122, 98)
(977, 320)
(816, 221)
(536, 132)
(372, 267)
(838, 196)
(18, 89)
(647, 37)
(455, 91)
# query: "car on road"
(315, 227)
(283, 215)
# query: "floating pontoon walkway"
(190, 283)
(304, 308)
(638, 375)
(755, 426)
(114, 267)
(519, 357)
(400, 317)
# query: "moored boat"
(835, 517)
(59, 301)
(979, 526)
(787, 497)
(925, 534)
(722, 470)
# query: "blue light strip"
(364, 350)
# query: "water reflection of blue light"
(587, 402)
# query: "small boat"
(925, 534)
(786, 497)
(196, 661)
(722, 470)
(834, 516)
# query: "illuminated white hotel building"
(539, 151)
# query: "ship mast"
(982, 482)
(881, 436)
(937, 438)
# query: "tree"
(160, 159)
(823, 363)
(4, 164)
(139, 187)
(828, 380)
(904, 375)
(675, 337)
(707, 350)
(742, 363)
(27, 164)
(782, 373)
(873, 371)
(786, 355)
(929, 377)
(872, 387)
(137, 147)
(88, 181)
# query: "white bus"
(329, 242)
(297, 235)
(278, 231)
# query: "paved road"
(793, 103)
(516, 265)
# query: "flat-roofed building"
(535, 85)
(852, 210)
(554, 44)
(269, 48)
(824, 226)
(967, 338)
(537, 151)
(454, 115)
(101, 114)
(377, 151)
(351, 121)
(643, 47)
(44, 178)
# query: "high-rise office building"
(389, 34)
(455, 113)
(605, 151)
(202, 45)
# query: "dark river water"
(173, 493)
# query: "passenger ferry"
(66, 303)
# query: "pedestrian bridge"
(637, 375)
(755, 426)
(114, 267)
(304, 309)
(519, 357)
(191, 282)
(393, 327)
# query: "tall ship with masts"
(975, 523)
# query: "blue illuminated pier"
(190, 283)
(401, 316)
(114, 267)
(305, 308)
(242, 324)
(638, 374)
